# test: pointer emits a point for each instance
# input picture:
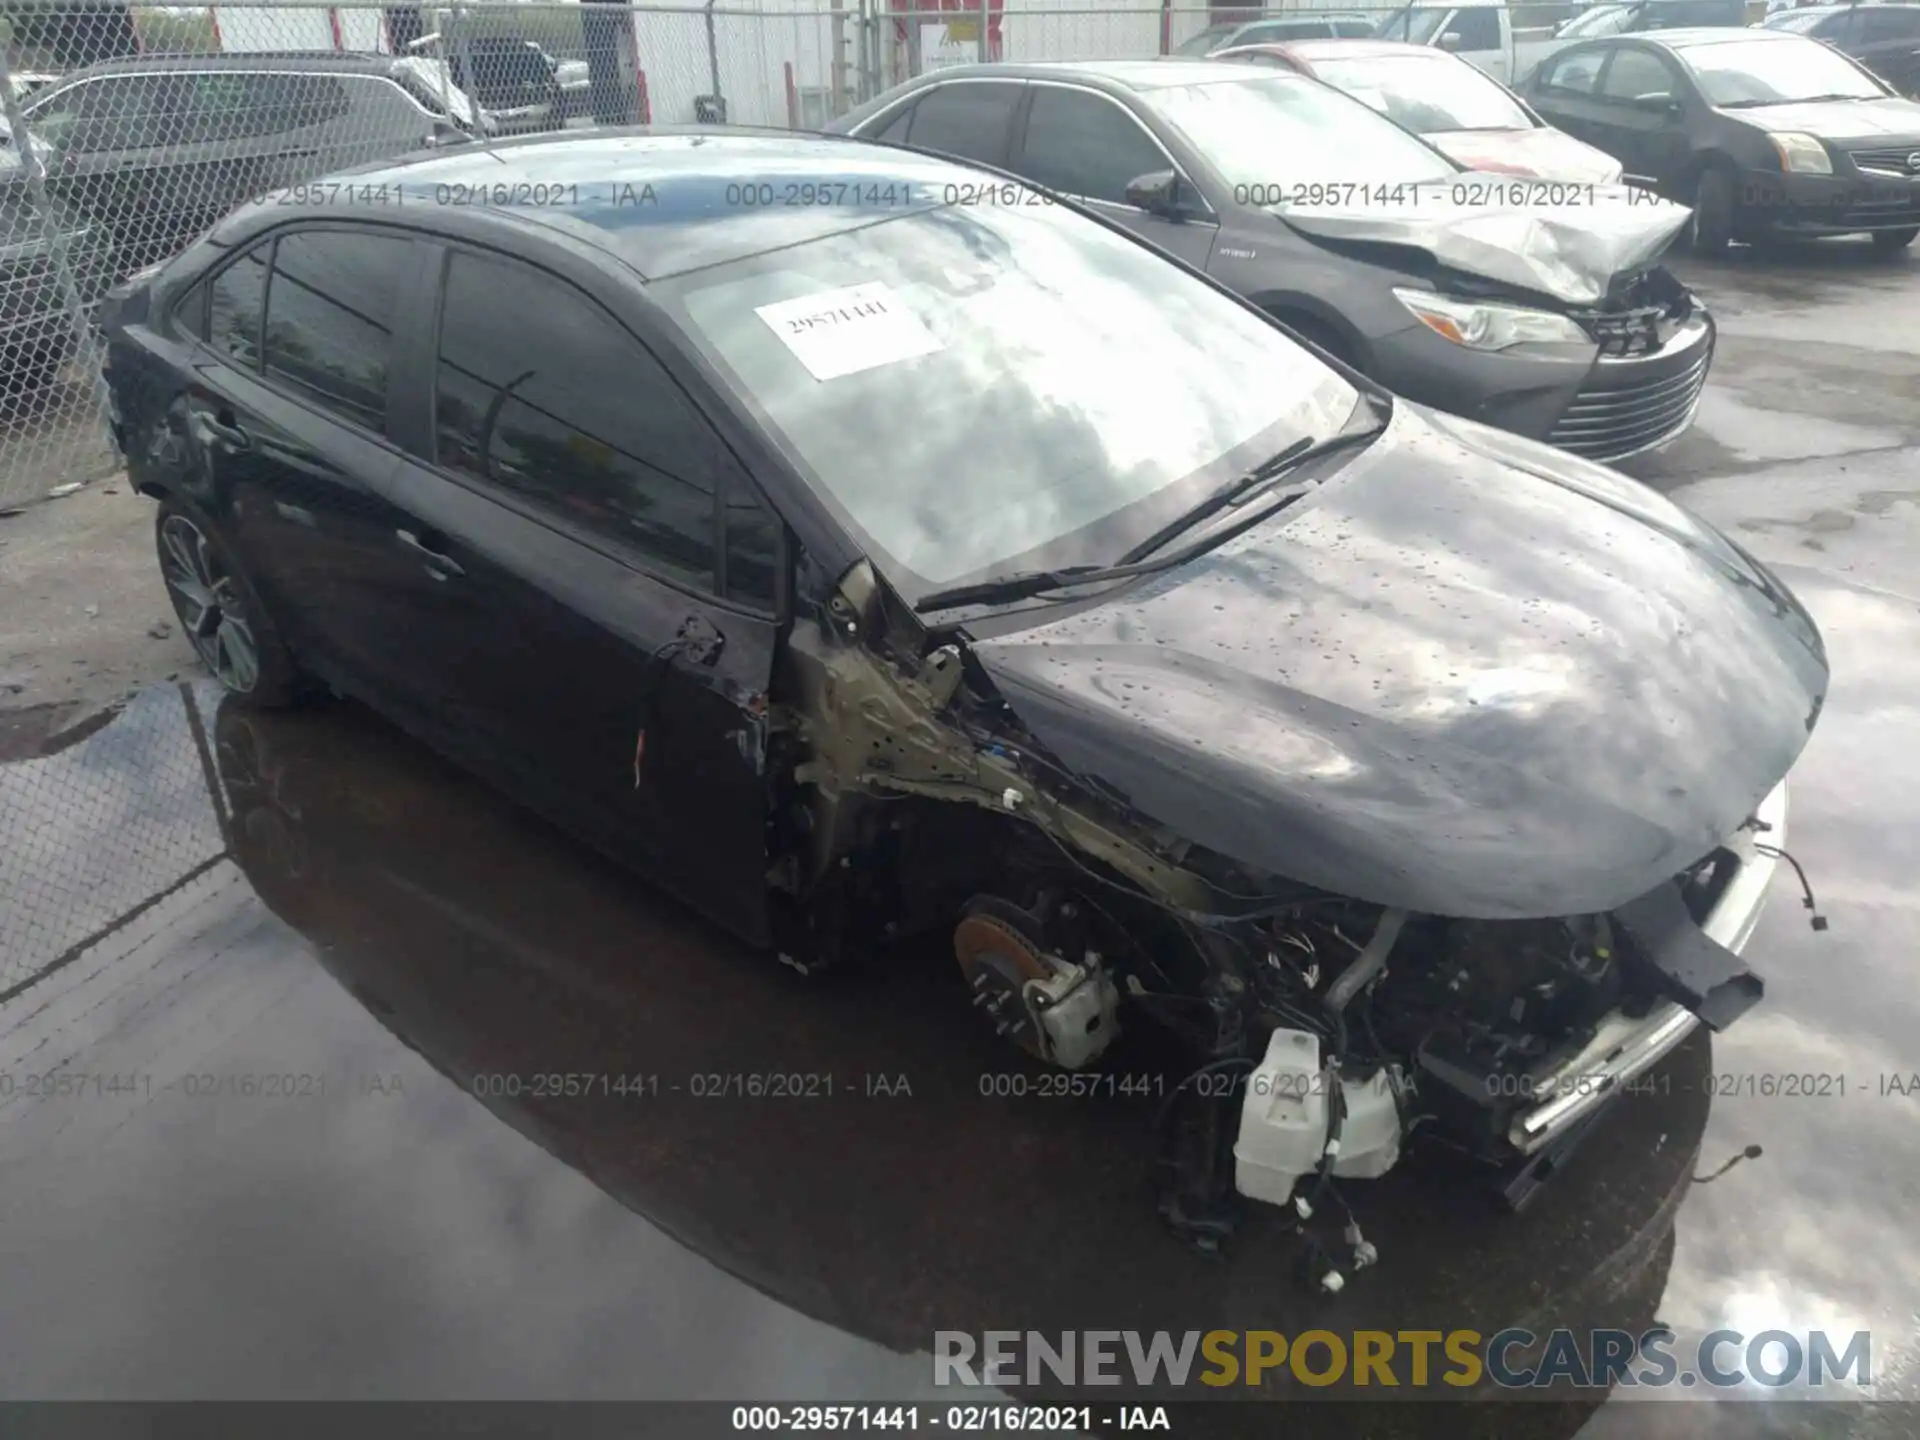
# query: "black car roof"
(668, 200)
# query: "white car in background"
(1452, 105)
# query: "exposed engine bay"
(1324, 1032)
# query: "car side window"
(1352, 29)
(190, 311)
(330, 306)
(1573, 73)
(971, 119)
(237, 302)
(896, 131)
(539, 392)
(752, 548)
(1478, 27)
(1085, 144)
(1888, 23)
(1636, 75)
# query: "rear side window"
(541, 393)
(237, 302)
(970, 119)
(1352, 29)
(896, 131)
(1572, 73)
(332, 300)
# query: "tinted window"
(1635, 73)
(1207, 41)
(1889, 24)
(970, 120)
(1281, 30)
(540, 392)
(1087, 145)
(190, 311)
(896, 131)
(238, 301)
(752, 548)
(1478, 28)
(1352, 29)
(1572, 73)
(334, 294)
(116, 112)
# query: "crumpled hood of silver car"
(1570, 250)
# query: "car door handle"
(220, 430)
(439, 566)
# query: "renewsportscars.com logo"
(1403, 1359)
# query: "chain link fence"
(104, 822)
(128, 130)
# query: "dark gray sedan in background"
(1550, 317)
(1765, 133)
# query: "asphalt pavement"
(295, 967)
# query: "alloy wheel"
(207, 599)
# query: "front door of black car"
(583, 587)
(1564, 89)
(1641, 105)
(1086, 144)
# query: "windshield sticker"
(841, 332)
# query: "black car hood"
(1869, 120)
(1470, 675)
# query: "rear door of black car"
(1564, 88)
(586, 585)
(286, 410)
(1636, 89)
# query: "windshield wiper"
(1246, 485)
(1241, 490)
(1796, 100)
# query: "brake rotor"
(998, 961)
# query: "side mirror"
(1161, 192)
(1450, 40)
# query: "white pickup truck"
(1484, 35)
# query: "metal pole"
(980, 41)
(24, 147)
(713, 55)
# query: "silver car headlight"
(1482, 325)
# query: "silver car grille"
(1609, 420)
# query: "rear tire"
(219, 609)
(1892, 242)
(1711, 228)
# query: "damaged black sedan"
(889, 563)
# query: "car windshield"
(1427, 95)
(1275, 130)
(966, 387)
(1601, 20)
(1776, 72)
(1417, 24)
(1207, 41)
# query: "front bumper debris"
(1625, 1047)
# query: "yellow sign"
(963, 32)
